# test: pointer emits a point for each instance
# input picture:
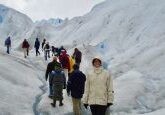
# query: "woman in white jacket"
(98, 89)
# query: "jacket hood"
(96, 58)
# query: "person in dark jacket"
(75, 87)
(37, 46)
(8, 44)
(50, 68)
(43, 43)
(77, 56)
(59, 83)
(25, 46)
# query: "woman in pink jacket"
(98, 89)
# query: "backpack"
(58, 77)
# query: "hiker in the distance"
(25, 46)
(37, 46)
(8, 44)
(77, 55)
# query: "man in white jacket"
(98, 89)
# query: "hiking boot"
(61, 104)
(53, 105)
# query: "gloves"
(109, 104)
(86, 106)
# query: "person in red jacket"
(25, 46)
(64, 60)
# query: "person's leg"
(48, 53)
(61, 103)
(76, 106)
(93, 109)
(52, 53)
(8, 49)
(45, 55)
(27, 51)
(101, 109)
(24, 51)
(36, 52)
(54, 97)
(66, 74)
(61, 95)
(54, 102)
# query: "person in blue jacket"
(37, 46)
(8, 44)
(75, 87)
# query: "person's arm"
(35, 44)
(47, 72)
(110, 89)
(84, 79)
(69, 85)
(86, 92)
(28, 44)
(64, 80)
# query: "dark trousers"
(27, 51)
(37, 52)
(8, 49)
(98, 109)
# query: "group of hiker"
(46, 48)
(25, 46)
(94, 88)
